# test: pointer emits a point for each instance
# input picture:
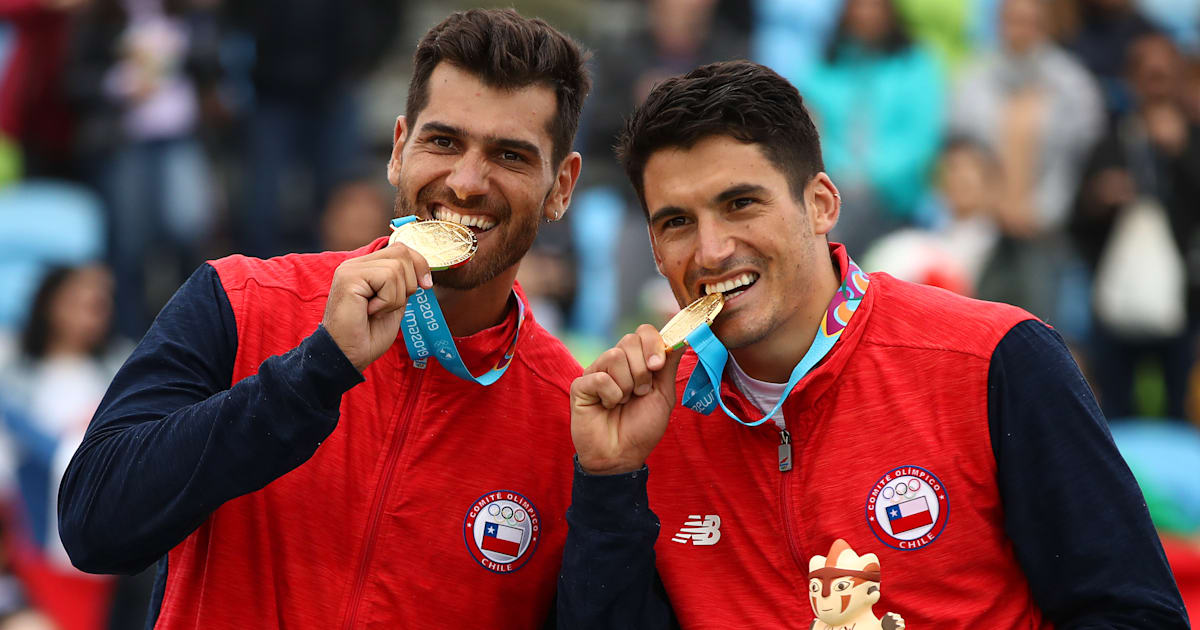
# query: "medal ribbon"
(702, 393)
(426, 333)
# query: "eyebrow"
(665, 212)
(514, 144)
(738, 190)
(733, 192)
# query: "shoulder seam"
(929, 347)
(937, 348)
(322, 295)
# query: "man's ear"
(564, 186)
(824, 202)
(399, 136)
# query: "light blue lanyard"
(702, 393)
(426, 333)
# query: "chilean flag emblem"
(502, 529)
(502, 539)
(908, 508)
(909, 515)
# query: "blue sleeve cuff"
(323, 373)
(612, 502)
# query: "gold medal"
(443, 244)
(702, 311)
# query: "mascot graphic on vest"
(842, 587)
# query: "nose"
(715, 243)
(469, 178)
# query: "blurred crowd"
(1044, 153)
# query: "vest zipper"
(785, 450)
(381, 492)
(785, 496)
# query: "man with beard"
(285, 461)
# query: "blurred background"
(1044, 153)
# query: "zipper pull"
(785, 451)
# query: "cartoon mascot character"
(842, 587)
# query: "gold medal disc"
(702, 311)
(443, 244)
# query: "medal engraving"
(702, 311)
(443, 244)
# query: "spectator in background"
(33, 110)
(1135, 222)
(357, 213)
(136, 76)
(1038, 109)
(878, 102)
(310, 60)
(1100, 32)
(47, 397)
(955, 251)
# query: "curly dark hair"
(746, 101)
(506, 51)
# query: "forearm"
(608, 578)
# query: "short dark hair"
(506, 51)
(746, 101)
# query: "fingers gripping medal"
(702, 311)
(444, 245)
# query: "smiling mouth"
(733, 286)
(477, 223)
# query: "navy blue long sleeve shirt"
(1087, 567)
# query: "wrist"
(598, 467)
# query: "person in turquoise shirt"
(879, 101)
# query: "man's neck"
(773, 358)
(469, 311)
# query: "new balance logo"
(700, 531)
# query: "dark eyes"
(674, 222)
(445, 142)
(741, 202)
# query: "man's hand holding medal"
(620, 406)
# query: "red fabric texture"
(370, 532)
(1184, 556)
(71, 599)
(905, 387)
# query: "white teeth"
(469, 220)
(732, 283)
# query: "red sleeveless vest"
(435, 502)
(891, 452)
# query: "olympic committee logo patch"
(907, 508)
(502, 530)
